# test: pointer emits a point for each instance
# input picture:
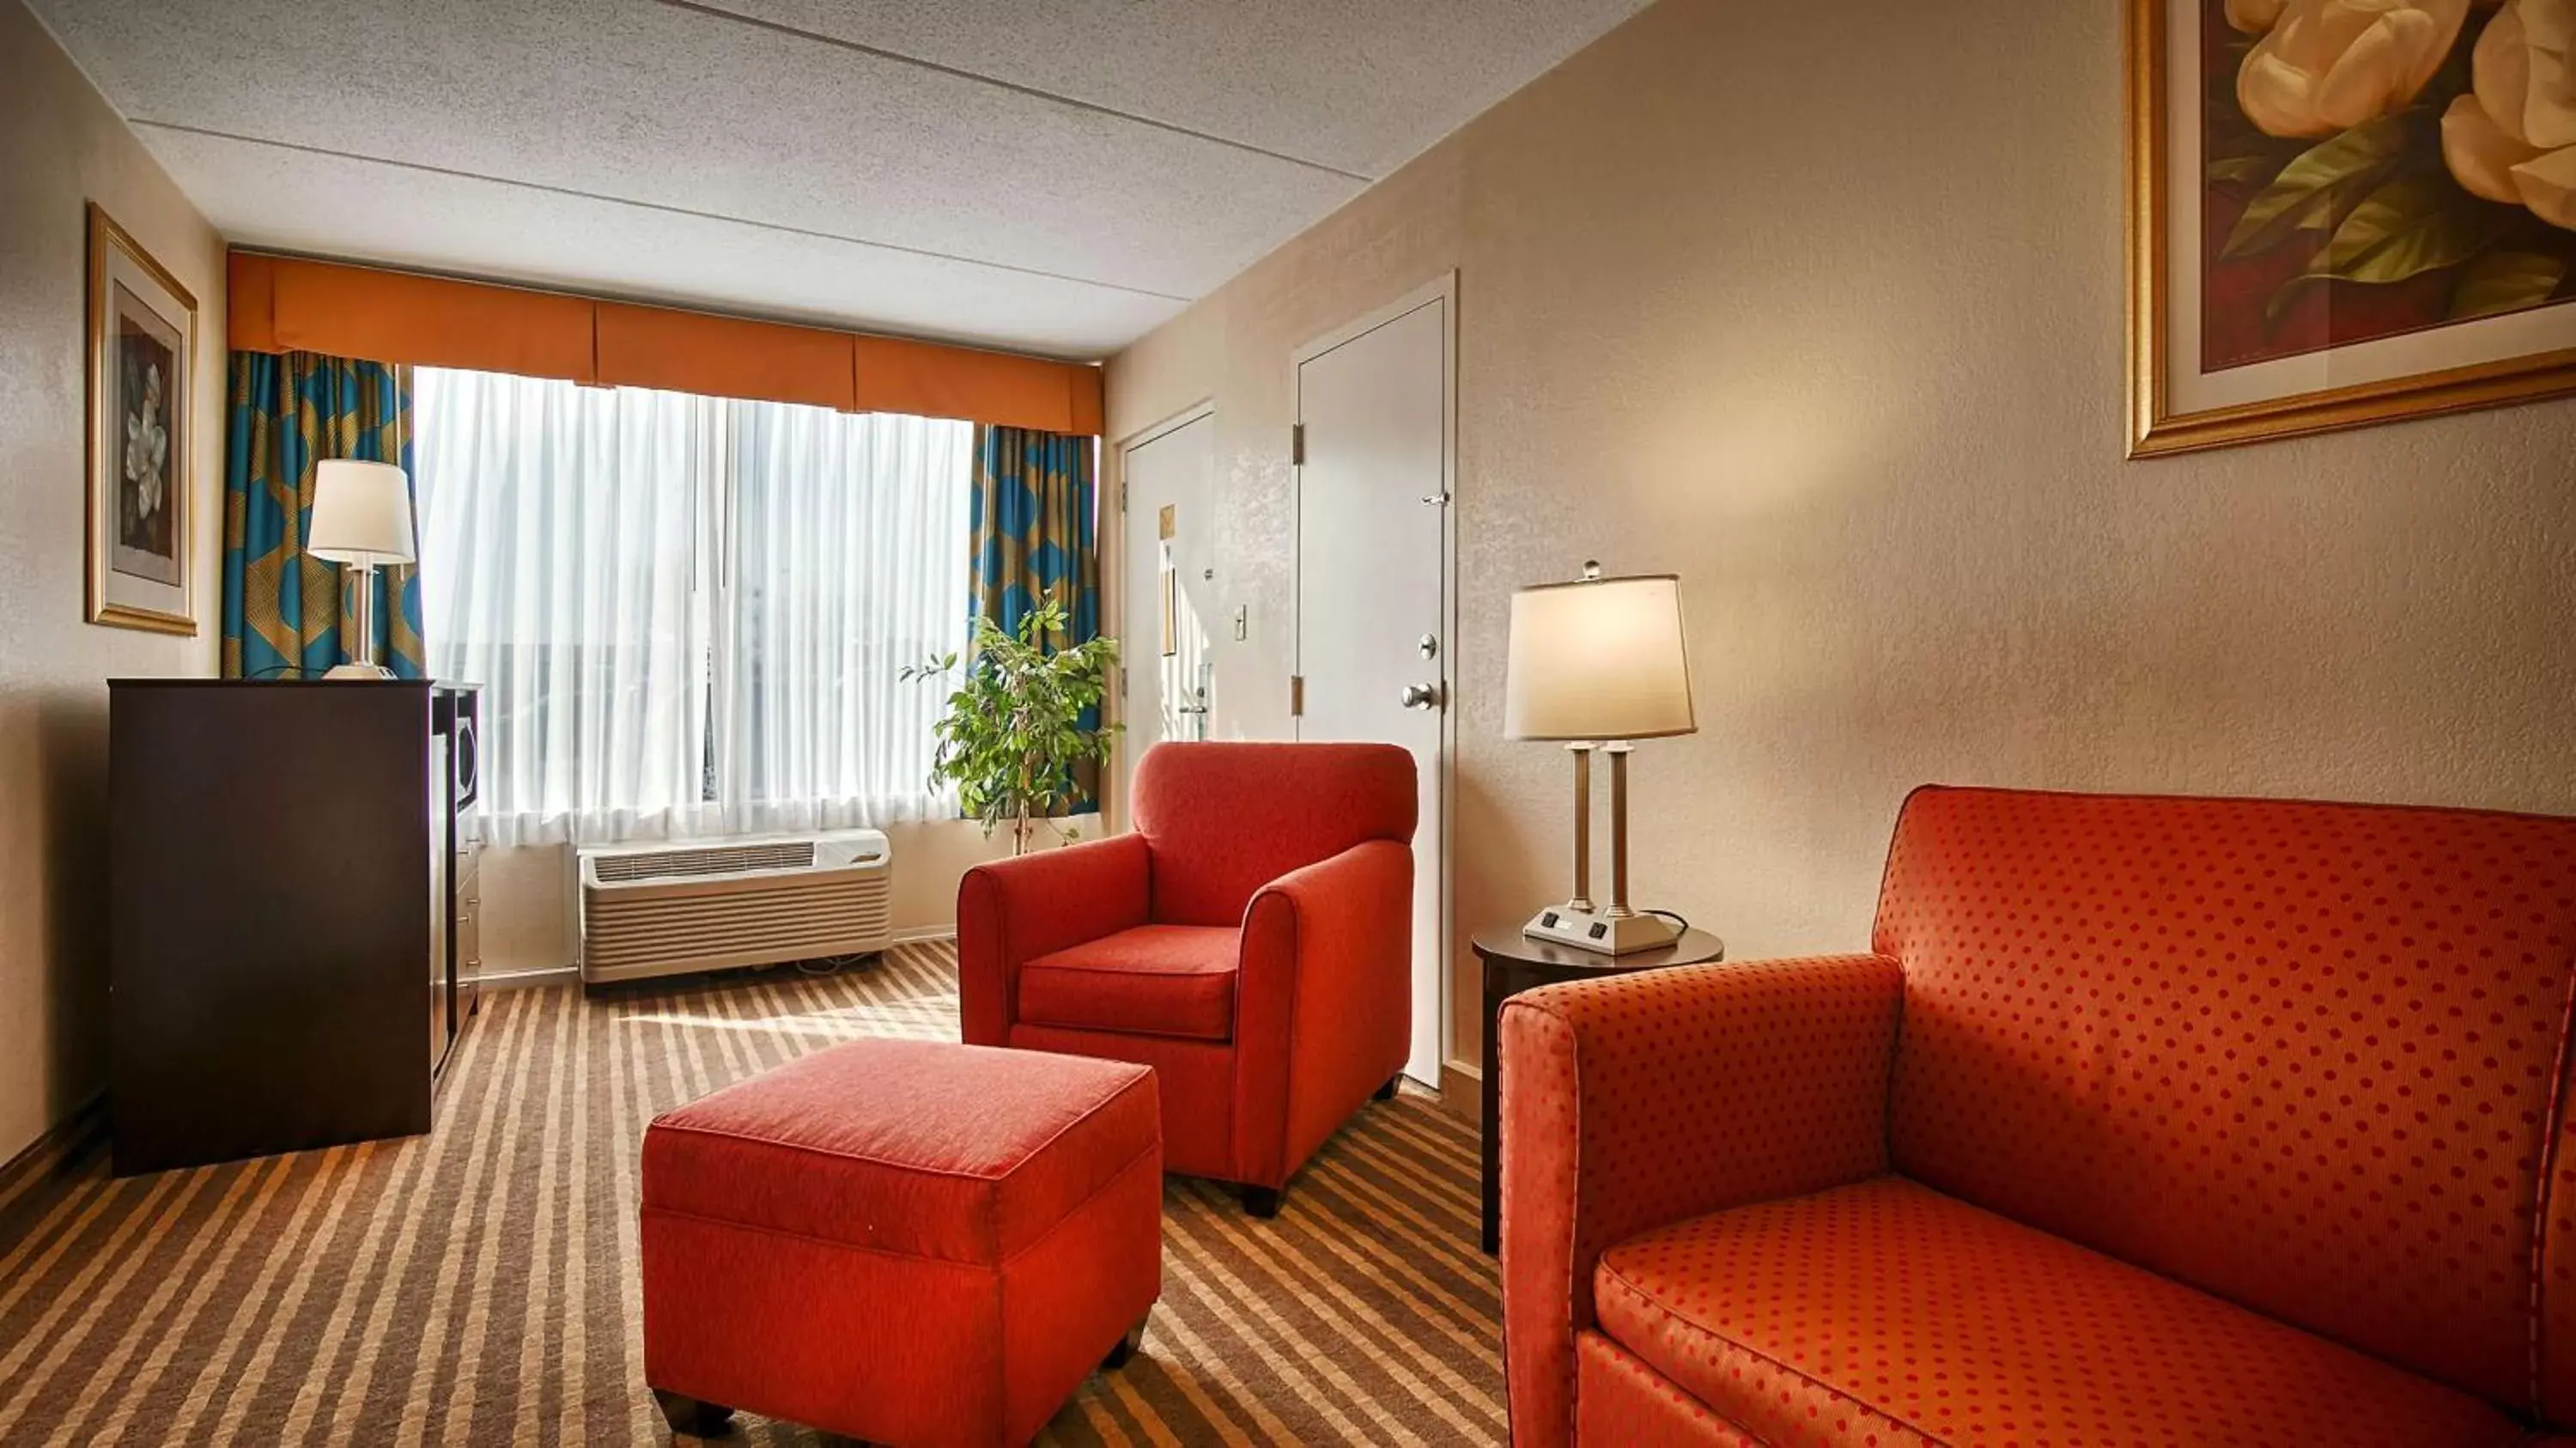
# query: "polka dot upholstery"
(2310, 1059)
(1886, 1313)
(1632, 1103)
(1630, 1404)
(2304, 1056)
(2558, 1279)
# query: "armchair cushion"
(1154, 980)
(1013, 911)
(1887, 1309)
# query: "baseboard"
(1462, 1092)
(543, 975)
(546, 975)
(60, 1142)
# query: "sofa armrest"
(1323, 1003)
(1639, 1101)
(1013, 911)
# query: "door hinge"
(1122, 495)
(1297, 445)
(1296, 696)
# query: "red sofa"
(2158, 1121)
(1251, 941)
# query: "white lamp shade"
(361, 514)
(1602, 659)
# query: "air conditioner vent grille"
(717, 904)
(719, 860)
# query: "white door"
(1372, 568)
(1169, 586)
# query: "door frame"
(1115, 808)
(1442, 289)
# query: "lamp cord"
(1680, 922)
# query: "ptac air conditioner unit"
(662, 909)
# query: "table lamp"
(361, 521)
(1599, 663)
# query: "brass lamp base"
(1600, 931)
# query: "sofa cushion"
(909, 1148)
(2300, 1055)
(1886, 1308)
(1154, 980)
(1619, 1400)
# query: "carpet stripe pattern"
(478, 1285)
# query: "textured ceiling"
(1053, 175)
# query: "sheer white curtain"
(688, 614)
(850, 561)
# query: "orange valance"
(725, 357)
(929, 380)
(384, 316)
(283, 304)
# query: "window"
(688, 614)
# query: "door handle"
(1421, 696)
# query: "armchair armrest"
(1013, 911)
(1638, 1101)
(1322, 1004)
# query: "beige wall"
(527, 905)
(60, 145)
(1820, 306)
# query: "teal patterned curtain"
(1036, 532)
(283, 610)
(1035, 529)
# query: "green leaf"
(2241, 170)
(2406, 228)
(2308, 192)
(2506, 281)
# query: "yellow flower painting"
(2383, 166)
(2348, 211)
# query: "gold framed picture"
(2346, 212)
(142, 431)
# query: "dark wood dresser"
(290, 912)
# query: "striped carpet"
(478, 1285)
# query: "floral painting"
(147, 538)
(2378, 166)
(142, 342)
(2358, 210)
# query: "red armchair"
(1251, 942)
(2187, 1121)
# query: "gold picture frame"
(141, 437)
(2163, 366)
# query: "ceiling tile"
(653, 103)
(1359, 85)
(880, 163)
(399, 217)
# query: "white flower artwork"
(142, 331)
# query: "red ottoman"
(907, 1242)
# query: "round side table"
(1515, 963)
